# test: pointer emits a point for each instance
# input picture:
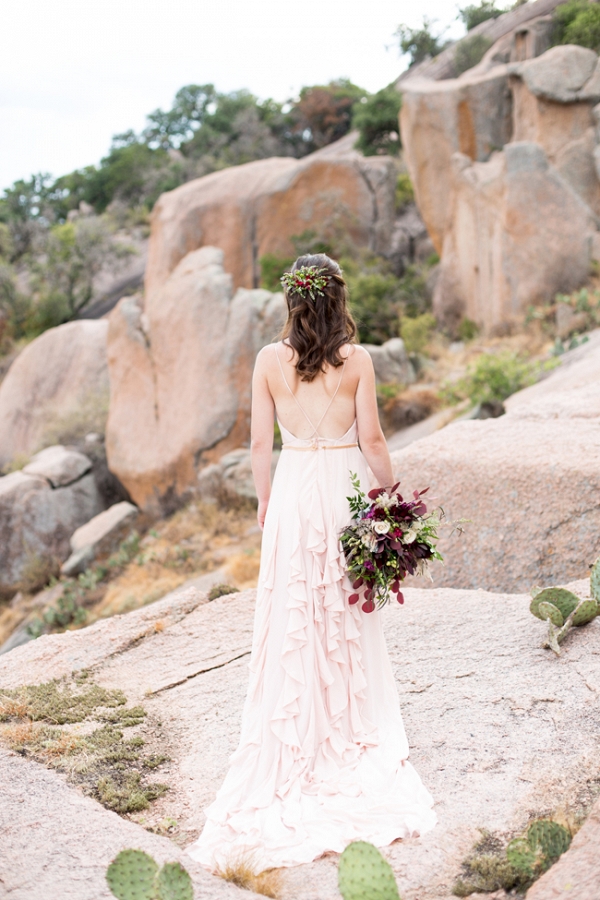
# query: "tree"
(323, 113)
(472, 15)
(376, 118)
(75, 254)
(26, 209)
(190, 108)
(577, 22)
(420, 43)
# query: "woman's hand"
(262, 512)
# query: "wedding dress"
(322, 758)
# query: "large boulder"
(503, 163)
(37, 521)
(180, 375)
(254, 209)
(528, 483)
(499, 729)
(62, 374)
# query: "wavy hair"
(316, 329)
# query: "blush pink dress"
(323, 755)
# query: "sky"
(75, 72)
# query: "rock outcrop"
(503, 164)
(391, 362)
(39, 513)
(180, 375)
(60, 374)
(528, 483)
(100, 536)
(254, 209)
(499, 730)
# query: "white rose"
(370, 541)
(409, 536)
(381, 527)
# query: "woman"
(322, 758)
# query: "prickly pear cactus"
(539, 849)
(585, 612)
(595, 580)
(551, 612)
(562, 599)
(365, 875)
(550, 837)
(174, 883)
(521, 856)
(131, 875)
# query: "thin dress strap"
(300, 407)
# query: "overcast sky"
(75, 72)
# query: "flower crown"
(307, 280)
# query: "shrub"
(492, 379)
(420, 43)
(405, 193)
(474, 15)
(375, 303)
(470, 51)
(272, 268)
(416, 332)
(577, 22)
(376, 118)
(467, 330)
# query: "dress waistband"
(320, 447)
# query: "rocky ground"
(500, 729)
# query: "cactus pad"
(131, 875)
(521, 856)
(562, 599)
(174, 883)
(549, 837)
(365, 875)
(551, 612)
(595, 580)
(585, 612)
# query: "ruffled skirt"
(322, 758)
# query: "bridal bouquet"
(388, 538)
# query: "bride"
(322, 758)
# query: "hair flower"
(307, 280)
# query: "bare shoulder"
(266, 357)
(359, 358)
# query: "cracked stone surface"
(499, 729)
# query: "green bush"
(272, 268)
(376, 118)
(467, 330)
(405, 193)
(375, 303)
(420, 43)
(416, 332)
(493, 378)
(470, 51)
(473, 15)
(577, 22)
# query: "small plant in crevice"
(221, 590)
(134, 875)
(494, 377)
(494, 865)
(34, 722)
(563, 610)
(241, 870)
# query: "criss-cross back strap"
(300, 407)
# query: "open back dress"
(323, 755)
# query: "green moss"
(221, 590)
(105, 763)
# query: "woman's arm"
(370, 435)
(263, 418)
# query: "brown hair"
(316, 329)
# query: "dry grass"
(244, 567)
(18, 462)
(241, 872)
(15, 708)
(89, 415)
